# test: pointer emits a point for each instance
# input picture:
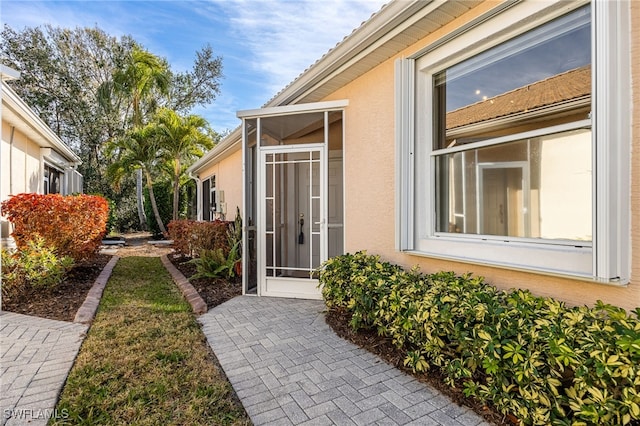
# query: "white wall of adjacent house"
(20, 163)
(23, 163)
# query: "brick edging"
(87, 311)
(193, 297)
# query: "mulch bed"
(214, 291)
(62, 302)
(369, 340)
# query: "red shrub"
(73, 225)
(190, 236)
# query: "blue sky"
(265, 44)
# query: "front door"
(292, 225)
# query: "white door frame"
(526, 188)
(306, 288)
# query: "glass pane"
(335, 207)
(292, 129)
(535, 188)
(315, 205)
(315, 247)
(269, 180)
(315, 179)
(268, 238)
(335, 131)
(538, 79)
(251, 126)
(269, 215)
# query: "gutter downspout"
(11, 143)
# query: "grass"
(145, 360)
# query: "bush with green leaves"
(531, 357)
(225, 261)
(37, 265)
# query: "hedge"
(72, 225)
(531, 357)
(191, 236)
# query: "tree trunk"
(154, 206)
(141, 215)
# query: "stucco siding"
(370, 187)
(228, 172)
(20, 163)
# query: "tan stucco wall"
(228, 173)
(20, 164)
(370, 187)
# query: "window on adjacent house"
(52, 180)
(213, 195)
(209, 198)
(498, 130)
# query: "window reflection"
(533, 188)
(536, 80)
(539, 187)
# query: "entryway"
(293, 197)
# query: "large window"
(512, 149)
(501, 158)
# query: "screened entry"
(293, 171)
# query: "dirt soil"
(63, 301)
(213, 291)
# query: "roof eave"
(217, 152)
(392, 18)
(35, 123)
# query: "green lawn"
(145, 359)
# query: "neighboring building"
(492, 137)
(32, 157)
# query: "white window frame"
(607, 258)
(213, 197)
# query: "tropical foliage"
(531, 357)
(37, 265)
(190, 237)
(93, 90)
(183, 140)
(72, 225)
(224, 261)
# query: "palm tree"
(137, 150)
(182, 141)
(138, 85)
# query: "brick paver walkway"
(288, 367)
(36, 355)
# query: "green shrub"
(190, 237)
(162, 194)
(73, 225)
(36, 266)
(218, 262)
(532, 357)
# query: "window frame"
(607, 258)
(209, 198)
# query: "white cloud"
(287, 37)
(265, 44)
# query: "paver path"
(36, 356)
(288, 367)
